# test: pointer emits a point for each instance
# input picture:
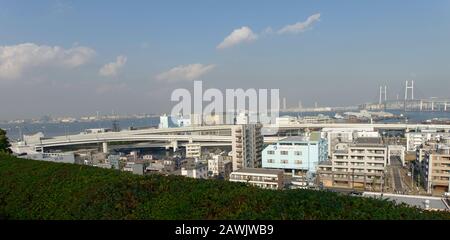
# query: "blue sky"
(339, 59)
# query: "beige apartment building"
(247, 146)
(359, 165)
(433, 164)
(193, 150)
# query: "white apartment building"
(263, 178)
(220, 165)
(335, 136)
(415, 139)
(195, 170)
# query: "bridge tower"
(408, 87)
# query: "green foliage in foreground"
(41, 190)
(4, 143)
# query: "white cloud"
(185, 72)
(16, 59)
(300, 26)
(113, 68)
(243, 34)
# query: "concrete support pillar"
(432, 106)
(403, 157)
(445, 106)
(174, 144)
(105, 147)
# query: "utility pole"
(412, 175)
(353, 179)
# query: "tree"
(4, 143)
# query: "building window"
(270, 161)
(284, 152)
(297, 153)
(286, 144)
(271, 152)
(298, 162)
(284, 161)
(301, 144)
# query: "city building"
(103, 165)
(114, 160)
(335, 136)
(247, 143)
(220, 165)
(433, 166)
(360, 164)
(214, 119)
(296, 154)
(415, 139)
(316, 119)
(138, 168)
(183, 122)
(285, 120)
(193, 150)
(242, 118)
(167, 121)
(67, 157)
(259, 177)
(195, 170)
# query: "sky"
(74, 58)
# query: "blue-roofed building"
(296, 153)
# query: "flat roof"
(259, 171)
(294, 139)
(368, 140)
(314, 137)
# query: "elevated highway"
(219, 135)
(208, 135)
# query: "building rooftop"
(192, 166)
(294, 139)
(315, 136)
(368, 142)
(260, 171)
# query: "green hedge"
(41, 190)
